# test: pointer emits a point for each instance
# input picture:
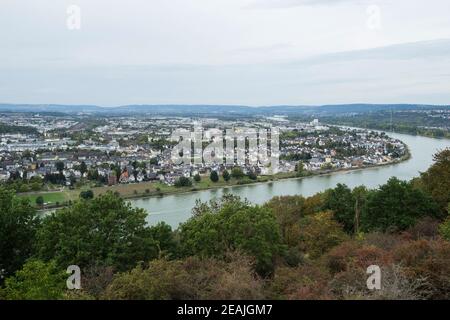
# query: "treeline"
(403, 122)
(289, 248)
(12, 129)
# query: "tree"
(237, 173)
(326, 166)
(340, 200)
(37, 280)
(197, 178)
(299, 168)
(252, 175)
(436, 180)
(319, 233)
(105, 231)
(60, 166)
(93, 174)
(163, 235)
(288, 211)
(18, 226)
(40, 200)
(226, 175)
(183, 182)
(83, 168)
(397, 204)
(252, 229)
(87, 194)
(359, 195)
(214, 176)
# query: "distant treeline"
(6, 128)
(403, 122)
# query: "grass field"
(136, 190)
(49, 198)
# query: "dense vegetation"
(292, 247)
(6, 128)
(431, 123)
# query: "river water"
(174, 209)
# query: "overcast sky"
(247, 52)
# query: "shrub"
(307, 282)
(183, 182)
(192, 278)
(226, 176)
(160, 280)
(86, 195)
(214, 176)
(427, 259)
(40, 200)
(351, 255)
(237, 173)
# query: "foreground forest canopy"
(289, 248)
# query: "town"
(45, 152)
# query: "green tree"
(60, 166)
(226, 175)
(87, 194)
(165, 239)
(83, 168)
(237, 173)
(340, 200)
(18, 226)
(37, 280)
(105, 231)
(183, 182)
(252, 175)
(214, 176)
(197, 178)
(252, 229)
(397, 204)
(300, 169)
(40, 200)
(326, 166)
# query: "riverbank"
(176, 209)
(146, 190)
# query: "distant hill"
(223, 110)
(49, 108)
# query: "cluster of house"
(28, 155)
(361, 148)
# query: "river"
(175, 209)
